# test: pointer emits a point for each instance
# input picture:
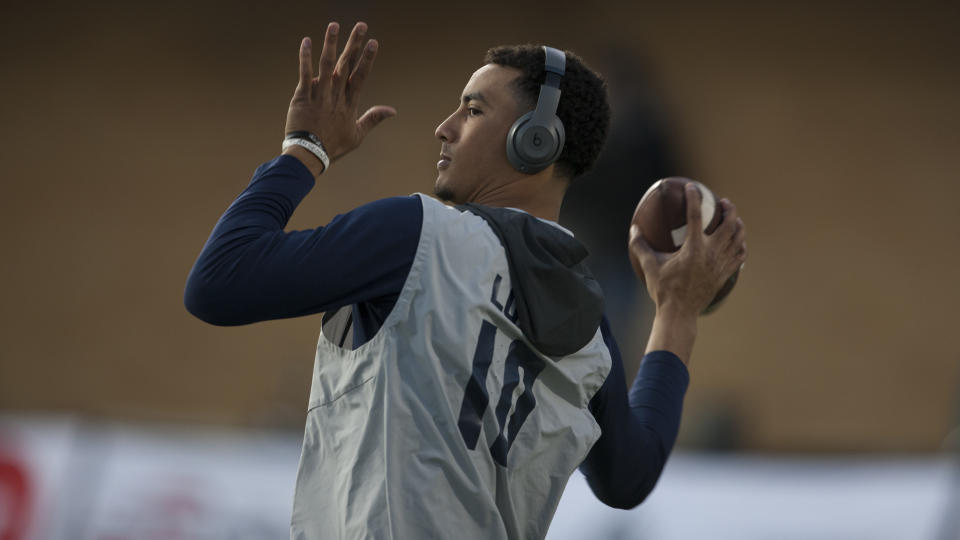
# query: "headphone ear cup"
(532, 147)
(515, 154)
(560, 138)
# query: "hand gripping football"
(662, 216)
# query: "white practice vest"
(406, 434)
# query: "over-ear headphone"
(536, 139)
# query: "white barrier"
(62, 479)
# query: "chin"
(444, 194)
(443, 191)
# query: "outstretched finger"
(328, 56)
(360, 73)
(351, 53)
(372, 117)
(306, 74)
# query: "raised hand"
(327, 105)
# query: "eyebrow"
(475, 96)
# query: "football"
(662, 217)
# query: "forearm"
(673, 330)
(310, 161)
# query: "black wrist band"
(303, 135)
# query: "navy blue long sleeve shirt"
(251, 269)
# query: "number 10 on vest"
(476, 399)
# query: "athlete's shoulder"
(405, 207)
(433, 207)
(454, 222)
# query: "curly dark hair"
(583, 107)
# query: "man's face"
(474, 137)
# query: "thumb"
(374, 116)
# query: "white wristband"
(314, 149)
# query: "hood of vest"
(559, 302)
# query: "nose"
(446, 131)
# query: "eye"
(473, 111)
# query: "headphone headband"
(536, 139)
(554, 68)
(556, 61)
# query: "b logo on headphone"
(536, 139)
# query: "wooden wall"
(125, 132)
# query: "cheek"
(482, 153)
(494, 149)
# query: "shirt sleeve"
(639, 430)
(251, 270)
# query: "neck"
(540, 195)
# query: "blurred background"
(825, 393)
